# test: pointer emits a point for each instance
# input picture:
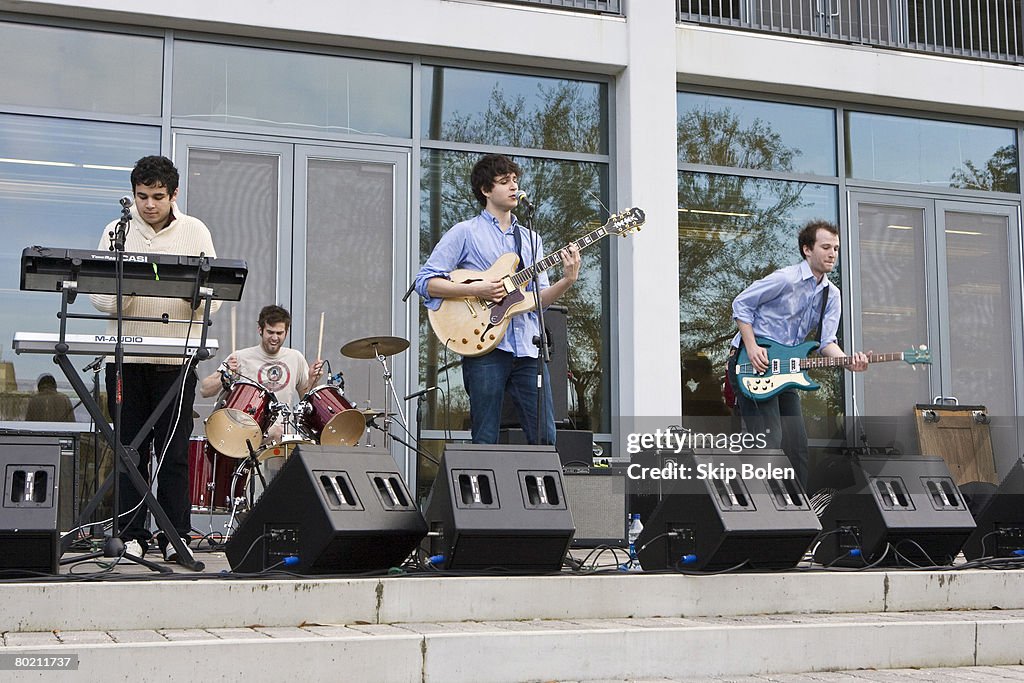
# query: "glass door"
(324, 231)
(351, 260)
(242, 190)
(945, 274)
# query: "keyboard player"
(157, 226)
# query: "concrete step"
(542, 650)
(189, 603)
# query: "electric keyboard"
(46, 269)
(96, 344)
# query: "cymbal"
(370, 347)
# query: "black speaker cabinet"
(720, 510)
(28, 517)
(898, 510)
(336, 509)
(499, 506)
(999, 514)
(597, 499)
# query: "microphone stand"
(541, 340)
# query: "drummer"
(281, 370)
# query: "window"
(934, 153)
(511, 110)
(739, 133)
(62, 68)
(60, 181)
(317, 94)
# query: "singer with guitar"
(476, 244)
(786, 307)
(280, 369)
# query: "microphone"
(420, 393)
(126, 201)
(524, 200)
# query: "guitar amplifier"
(597, 498)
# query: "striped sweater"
(184, 235)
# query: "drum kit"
(231, 466)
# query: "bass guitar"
(472, 326)
(787, 366)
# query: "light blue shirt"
(784, 306)
(476, 244)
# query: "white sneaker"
(171, 555)
(134, 548)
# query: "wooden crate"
(960, 435)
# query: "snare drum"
(325, 415)
(209, 476)
(243, 415)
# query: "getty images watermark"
(675, 441)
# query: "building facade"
(328, 144)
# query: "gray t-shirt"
(283, 373)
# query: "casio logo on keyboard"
(112, 339)
(128, 258)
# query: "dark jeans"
(143, 387)
(486, 378)
(779, 418)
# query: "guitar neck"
(526, 274)
(843, 361)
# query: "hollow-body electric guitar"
(787, 366)
(472, 326)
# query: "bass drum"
(209, 476)
(271, 458)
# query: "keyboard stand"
(128, 454)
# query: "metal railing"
(975, 29)
(597, 6)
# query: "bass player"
(786, 306)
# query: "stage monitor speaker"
(895, 510)
(336, 509)
(721, 510)
(597, 499)
(558, 369)
(497, 506)
(28, 517)
(999, 515)
(575, 446)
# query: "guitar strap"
(821, 315)
(519, 243)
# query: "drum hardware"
(380, 348)
(250, 478)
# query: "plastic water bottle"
(635, 527)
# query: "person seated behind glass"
(48, 404)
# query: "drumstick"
(234, 322)
(320, 343)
